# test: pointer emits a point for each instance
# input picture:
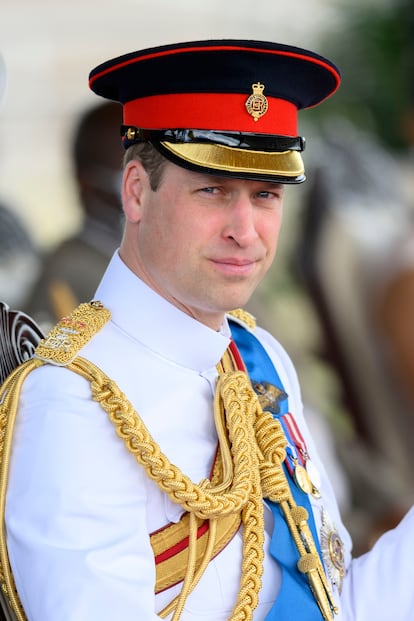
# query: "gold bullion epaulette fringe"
(64, 342)
(244, 316)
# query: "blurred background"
(341, 293)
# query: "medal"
(314, 477)
(306, 474)
(306, 478)
(333, 551)
(301, 478)
(269, 396)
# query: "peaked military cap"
(227, 107)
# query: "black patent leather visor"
(236, 154)
(236, 140)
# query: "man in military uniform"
(161, 465)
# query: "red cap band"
(213, 111)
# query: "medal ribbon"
(293, 456)
(295, 437)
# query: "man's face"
(202, 242)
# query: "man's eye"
(269, 194)
(209, 190)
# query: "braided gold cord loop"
(252, 566)
(240, 404)
(203, 565)
(9, 397)
(253, 448)
(237, 401)
(203, 502)
(249, 467)
(188, 583)
(270, 437)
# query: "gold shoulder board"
(245, 317)
(66, 339)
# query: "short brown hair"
(152, 161)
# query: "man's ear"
(134, 183)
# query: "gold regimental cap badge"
(131, 133)
(257, 104)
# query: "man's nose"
(241, 224)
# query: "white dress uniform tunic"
(80, 549)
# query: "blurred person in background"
(71, 271)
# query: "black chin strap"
(238, 140)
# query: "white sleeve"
(379, 583)
(76, 524)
